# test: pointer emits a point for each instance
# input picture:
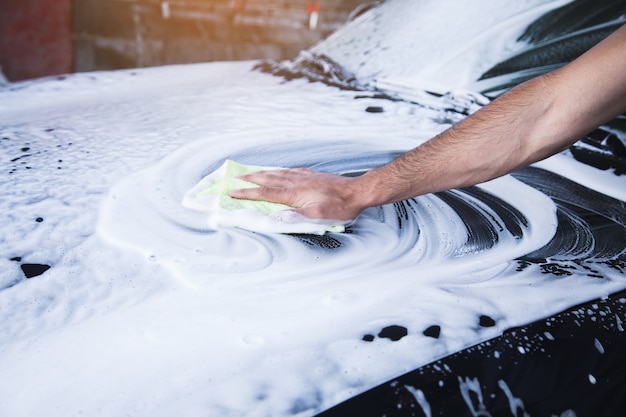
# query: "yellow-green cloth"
(222, 186)
(211, 194)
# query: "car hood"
(118, 300)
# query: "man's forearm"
(528, 123)
(486, 145)
(532, 121)
(492, 142)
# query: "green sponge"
(221, 187)
(211, 195)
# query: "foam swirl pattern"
(475, 228)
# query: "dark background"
(48, 37)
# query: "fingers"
(278, 177)
(262, 193)
(276, 186)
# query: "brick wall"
(110, 34)
(35, 38)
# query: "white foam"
(147, 310)
(457, 52)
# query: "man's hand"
(312, 194)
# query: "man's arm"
(530, 122)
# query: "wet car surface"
(118, 300)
